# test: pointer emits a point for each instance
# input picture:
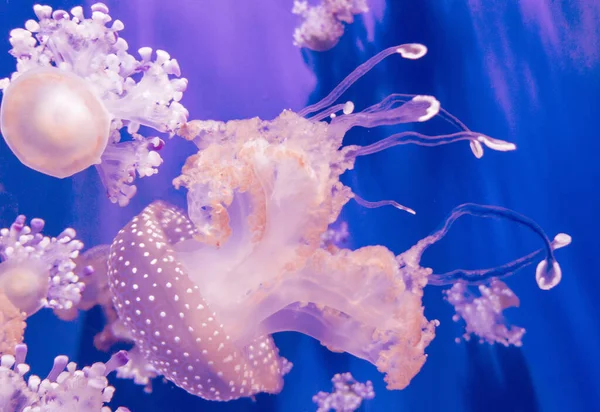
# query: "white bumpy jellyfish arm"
(66, 388)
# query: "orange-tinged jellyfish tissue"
(12, 325)
(202, 292)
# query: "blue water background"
(528, 73)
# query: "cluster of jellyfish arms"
(259, 250)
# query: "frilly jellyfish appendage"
(138, 370)
(323, 24)
(347, 395)
(261, 194)
(481, 308)
(76, 87)
(37, 271)
(66, 388)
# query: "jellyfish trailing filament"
(202, 293)
(76, 87)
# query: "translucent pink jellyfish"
(347, 395)
(323, 25)
(76, 87)
(84, 390)
(36, 271)
(202, 295)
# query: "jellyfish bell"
(54, 122)
(174, 327)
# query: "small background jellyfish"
(322, 24)
(513, 73)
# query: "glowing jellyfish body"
(76, 87)
(53, 122)
(202, 295)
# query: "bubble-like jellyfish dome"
(53, 122)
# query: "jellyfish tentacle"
(409, 50)
(548, 272)
(381, 203)
(413, 137)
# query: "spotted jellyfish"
(76, 87)
(202, 293)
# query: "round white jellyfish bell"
(53, 122)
